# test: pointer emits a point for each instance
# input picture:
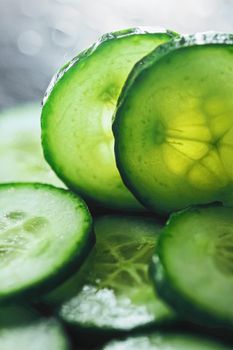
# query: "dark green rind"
(199, 39)
(106, 37)
(49, 282)
(21, 319)
(14, 314)
(172, 339)
(166, 288)
(92, 202)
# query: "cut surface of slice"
(45, 233)
(193, 270)
(78, 111)
(112, 291)
(23, 329)
(177, 111)
(21, 155)
(167, 341)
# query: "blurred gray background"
(38, 36)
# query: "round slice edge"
(45, 233)
(176, 109)
(193, 270)
(78, 111)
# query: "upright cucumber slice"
(78, 110)
(45, 233)
(194, 269)
(112, 291)
(177, 112)
(21, 156)
(23, 329)
(167, 341)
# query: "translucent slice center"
(19, 232)
(198, 144)
(123, 265)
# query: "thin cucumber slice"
(194, 269)
(78, 110)
(167, 341)
(177, 111)
(112, 291)
(23, 329)
(45, 233)
(21, 156)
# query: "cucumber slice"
(21, 156)
(167, 341)
(177, 111)
(77, 116)
(112, 291)
(45, 233)
(194, 269)
(22, 328)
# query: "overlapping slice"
(112, 291)
(45, 233)
(23, 329)
(78, 111)
(167, 341)
(194, 269)
(21, 156)
(174, 124)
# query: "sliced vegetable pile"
(156, 284)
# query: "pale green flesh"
(197, 255)
(77, 119)
(166, 341)
(178, 116)
(112, 289)
(22, 329)
(21, 156)
(41, 231)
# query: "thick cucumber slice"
(45, 233)
(177, 112)
(21, 156)
(167, 341)
(23, 329)
(194, 269)
(78, 110)
(112, 291)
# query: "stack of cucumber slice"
(141, 126)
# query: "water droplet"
(61, 38)
(30, 42)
